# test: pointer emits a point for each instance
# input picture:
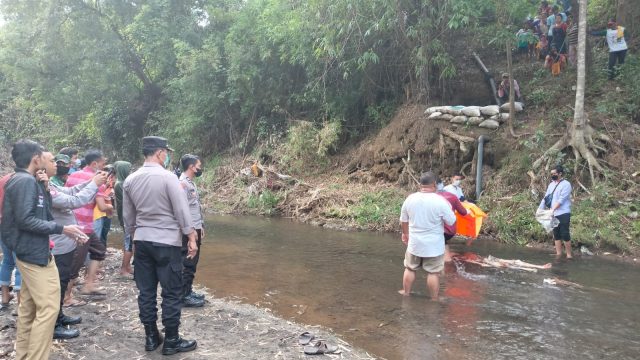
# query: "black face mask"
(198, 172)
(61, 170)
(554, 177)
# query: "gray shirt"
(155, 207)
(193, 198)
(64, 201)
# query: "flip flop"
(76, 303)
(94, 293)
(305, 338)
(320, 348)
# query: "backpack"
(3, 182)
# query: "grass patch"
(381, 207)
(265, 203)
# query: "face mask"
(457, 182)
(554, 177)
(61, 170)
(167, 161)
(198, 172)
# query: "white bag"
(546, 219)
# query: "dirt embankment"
(224, 329)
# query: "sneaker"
(190, 301)
(196, 295)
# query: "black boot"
(62, 332)
(70, 320)
(175, 344)
(152, 337)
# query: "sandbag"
(446, 117)
(546, 219)
(490, 124)
(471, 111)
(490, 110)
(475, 120)
(434, 115)
(452, 110)
(433, 109)
(501, 118)
(459, 120)
(517, 105)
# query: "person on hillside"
(542, 47)
(617, 46)
(572, 40)
(559, 33)
(103, 211)
(450, 230)
(503, 89)
(526, 41)
(156, 214)
(123, 169)
(545, 10)
(551, 21)
(456, 181)
(26, 226)
(423, 216)
(64, 201)
(191, 168)
(559, 191)
(72, 153)
(8, 261)
(63, 166)
(95, 162)
(555, 62)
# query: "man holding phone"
(26, 226)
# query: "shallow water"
(348, 281)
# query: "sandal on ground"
(305, 338)
(320, 348)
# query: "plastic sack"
(546, 219)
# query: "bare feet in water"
(401, 292)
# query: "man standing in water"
(559, 192)
(423, 217)
(156, 214)
(191, 168)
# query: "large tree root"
(584, 147)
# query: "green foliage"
(514, 219)
(307, 145)
(376, 208)
(265, 203)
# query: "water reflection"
(349, 282)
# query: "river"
(348, 281)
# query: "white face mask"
(457, 182)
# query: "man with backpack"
(558, 199)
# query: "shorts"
(431, 265)
(561, 232)
(448, 237)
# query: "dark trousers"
(156, 263)
(94, 247)
(190, 265)
(616, 57)
(64, 263)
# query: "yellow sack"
(555, 68)
(620, 33)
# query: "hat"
(63, 158)
(505, 75)
(155, 142)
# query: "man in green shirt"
(63, 164)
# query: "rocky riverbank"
(224, 329)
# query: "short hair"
(428, 178)
(92, 155)
(559, 169)
(69, 151)
(148, 151)
(188, 160)
(23, 151)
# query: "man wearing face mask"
(559, 193)
(191, 168)
(455, 188)
(63, 163)
(156, 214)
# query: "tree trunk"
(512, 110)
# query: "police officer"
(156, 214)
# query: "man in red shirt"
(95, 162)
(450, 230)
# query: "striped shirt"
(84, 215)
(572, 35)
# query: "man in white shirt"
(455, 188)
(423, 216)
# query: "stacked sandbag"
(488, 117)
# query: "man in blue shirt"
(560, 191)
